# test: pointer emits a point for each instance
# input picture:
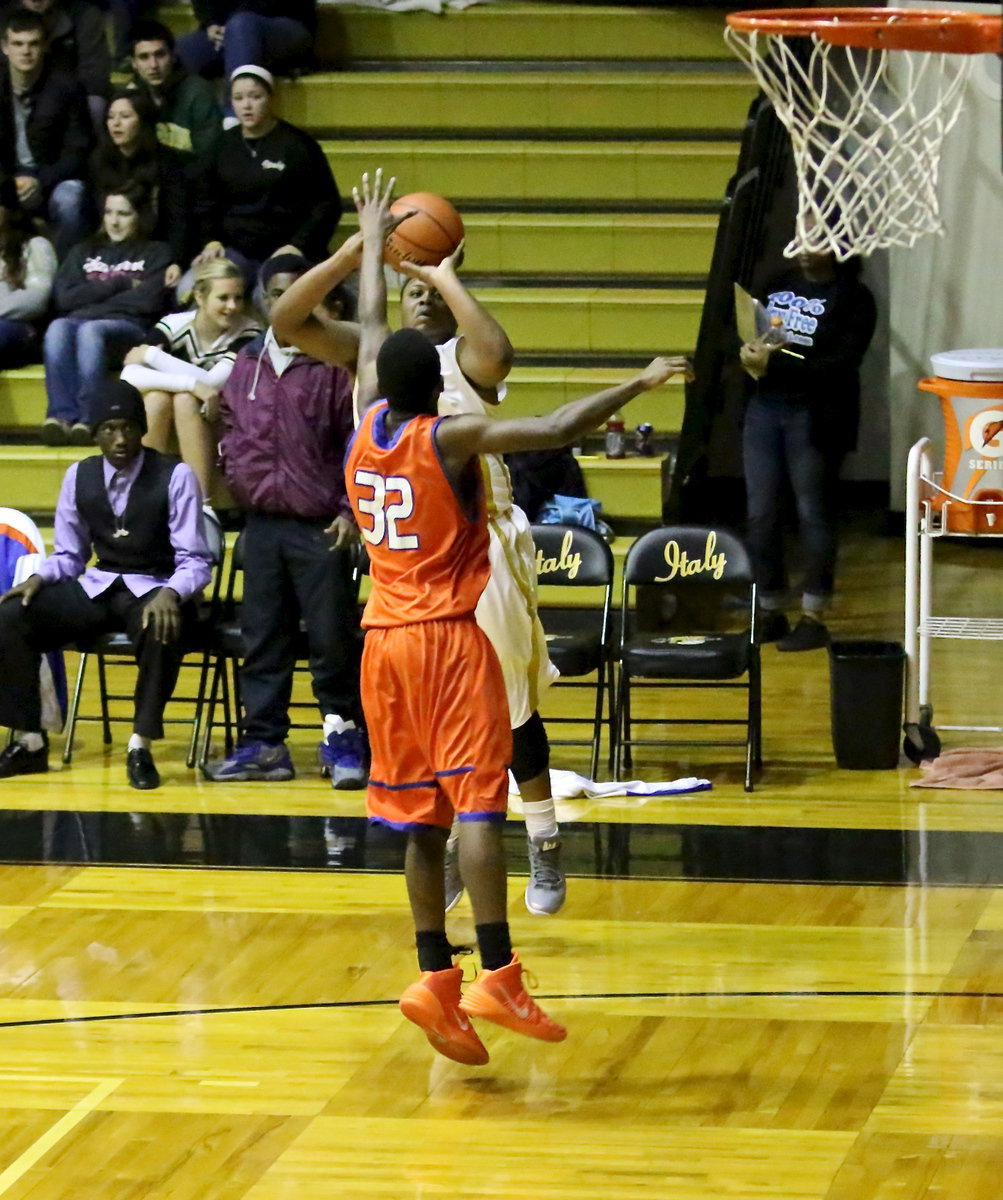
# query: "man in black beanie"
(140, 514)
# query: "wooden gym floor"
(793, 994)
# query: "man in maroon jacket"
(286, 422)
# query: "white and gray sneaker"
(547, 887)
(454, 884)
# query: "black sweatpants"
(291, 574)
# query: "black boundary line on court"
(518, 871)
(793, 994)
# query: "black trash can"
(866, 682)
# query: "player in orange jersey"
(476, 356)
(432, 687)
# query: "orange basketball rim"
(946, 31)
(868, 96)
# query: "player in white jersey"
(507, 609)
(476, 356)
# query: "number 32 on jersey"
(392, 502)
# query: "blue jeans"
(67, 213)
(18, 343)
(78, 354)
(777, 446)
(272, 42)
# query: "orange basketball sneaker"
(433, 1004)
(499, 996)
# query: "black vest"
(147, 550)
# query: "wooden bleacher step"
(612, 103)
(653, 174)
(523, 31)
(591, 245)
(598, 320)
(508, 31)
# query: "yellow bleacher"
(588, 148)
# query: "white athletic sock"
(541, 820)
(334, 724)
(139, 743)
(30, 741)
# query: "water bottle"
(616, 440)
(776, 335)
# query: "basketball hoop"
(866, 131)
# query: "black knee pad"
(530, 750)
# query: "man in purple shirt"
(140, 514)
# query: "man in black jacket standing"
(45, 130)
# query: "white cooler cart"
(950, 503)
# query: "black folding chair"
(569, 556)
(682, 559)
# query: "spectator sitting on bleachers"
(277, 34)
(27, 269)
(138, 513)
(128, 153)
(108, 292)
(78, 45)
(188, 117)
(45, 130)
(270, 190)
(186, 361)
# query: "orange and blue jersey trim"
(416, 826)
(420, 783)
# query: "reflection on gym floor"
(606, 849)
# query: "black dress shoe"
(17, 759)
(807, 634)
(773, 626)
(141, 770)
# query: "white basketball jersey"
(460, 396)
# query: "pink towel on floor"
(966, 767)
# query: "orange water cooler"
(969, 385)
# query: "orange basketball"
(427, 237)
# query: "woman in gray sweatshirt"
(27, 269)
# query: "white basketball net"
(866, 138)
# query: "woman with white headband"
(270, 189)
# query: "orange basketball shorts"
(437, 716)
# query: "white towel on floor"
(568, 785)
